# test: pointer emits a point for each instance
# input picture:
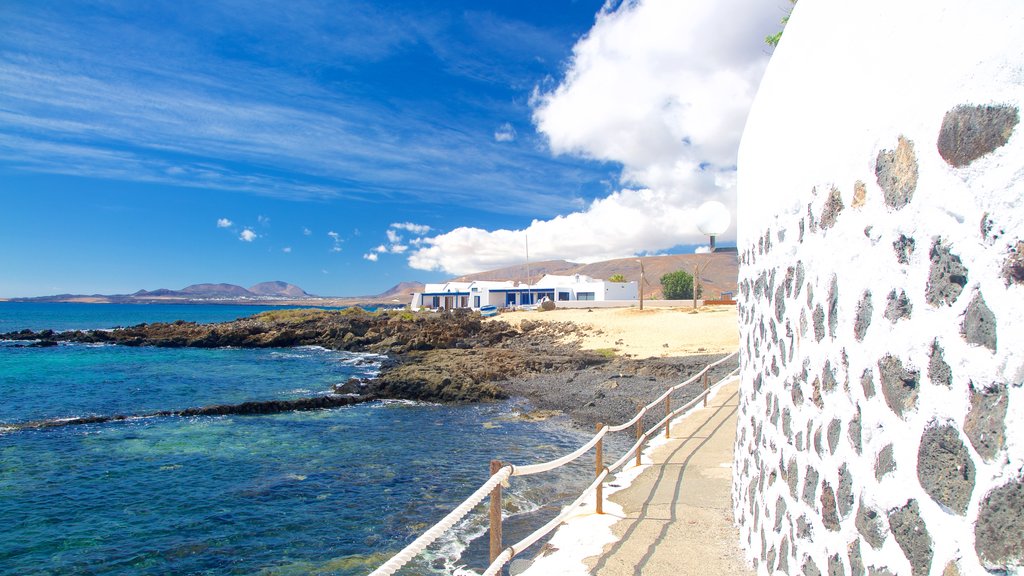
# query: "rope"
(418, 545)
(545, 466)
(409, 552)
(517, 548)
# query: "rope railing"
(502, 472)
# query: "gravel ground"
(613, 393)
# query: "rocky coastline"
(439, 357)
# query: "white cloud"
(247, 235)
(307, 232)
(505, 133)
(287, 249)
(702, 250)
(263, 220)
(393, 237)
(224, 223)
(661, 87)
(417, 229)
(336, 238)
(372, 256)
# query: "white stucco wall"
(870, 232)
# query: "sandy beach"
(650, 333)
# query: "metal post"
(705, 386)
(495, 514)
(598, 468)
(668, 412)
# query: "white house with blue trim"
(508, 294)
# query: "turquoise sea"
(323, 492)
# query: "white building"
(509, 294)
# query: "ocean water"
(322, 492)
(73, 316)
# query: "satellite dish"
(713, 218)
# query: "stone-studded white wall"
(881, 237)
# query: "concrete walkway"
(678, 512)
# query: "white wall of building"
(880, 228)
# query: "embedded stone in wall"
(945, 469)
(810, 568)
(803, 528)
(904, 247)
(912, 535)
(818, 447)
(867, 382)
(780, 302)
(871, 525)
(951, 569)
(969, 132)
(856, 562)
(899, 385)
(834, 428)
(863, 318)
(985, 425)
(979, 325)
(783, 556)
(833, 307)
(844, 495)
(946, 277)
(800, 274)
(833, 206)
(829, 514)
(835, 566)
(810, 485)
(939, 371)
(1013, 268)
(828, 377)
(780, 513)
(854, 431)
(896, 171)
(793, 477)
(819, 323)
(999, 531)
(884, 462)
(897, 306)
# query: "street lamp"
(712, 219)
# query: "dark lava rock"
(945, 469)
(999, 531)
(872, 526)
(946, 277)
(884, 462)
(970, 132)
(899, 385)
(985, 425)
(1013, 268)
(896, 171)
(833, 206)
(912, 535)
(979, 325)
(939, 371)
(863, 318)
(904, 247)
(897, 306)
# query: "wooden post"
(598, 468)
(495, 514)
(705, 386)
(668, 412)
(639, 433)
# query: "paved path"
(678, 512)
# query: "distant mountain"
(279, 289)
(216, 291)
(400, 292)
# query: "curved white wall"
(880, 224)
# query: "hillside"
(719, 273)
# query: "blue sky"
(347, 146)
